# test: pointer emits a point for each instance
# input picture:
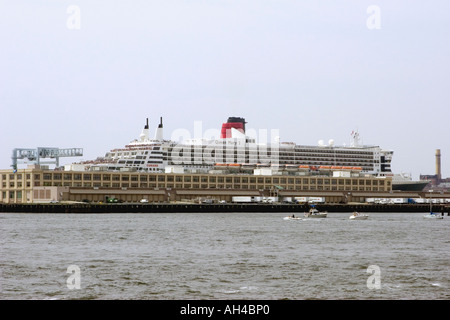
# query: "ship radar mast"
(355, 139)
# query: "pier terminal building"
(37, 184)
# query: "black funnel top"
(237, 119)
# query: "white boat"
(433, 215)
(234, 146)
(292, 218)
(314, 213)
(358, 216)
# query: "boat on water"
(404, 182)
(433, 215)
(358, 216)
(314, 213)
(235, 147)
(292, 218)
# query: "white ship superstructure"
(234, 149)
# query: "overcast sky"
(87, 73)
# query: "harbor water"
(226, 256)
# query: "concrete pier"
(228, 207)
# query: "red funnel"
(233, 122)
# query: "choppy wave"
(223, 256)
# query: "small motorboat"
(358, 216)
(314, 213)
(292, 218)
(433, 215)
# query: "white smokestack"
(159, 131)
(144, 134)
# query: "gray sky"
(87, 73)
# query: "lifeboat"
(303, 167)
(220, 164)
(324, 168)
(347, 168)
(357, 168)
(234, 165)
(336, 168)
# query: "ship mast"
(356, 141)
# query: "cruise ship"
(234, 149)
